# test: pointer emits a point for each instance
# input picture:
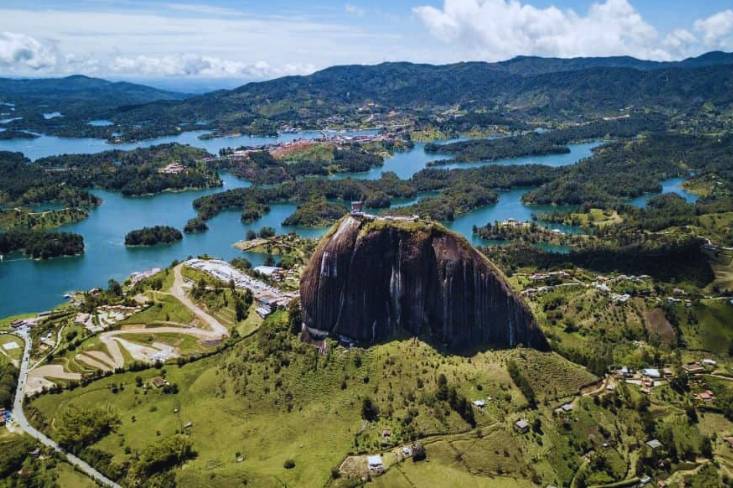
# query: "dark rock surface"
(370, 280)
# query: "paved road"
(19, 418)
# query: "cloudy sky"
(259, 39)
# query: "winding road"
(21, 421)
(110, 339)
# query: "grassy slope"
(235, 406)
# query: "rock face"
(370, 280)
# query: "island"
(41, 244)
(151, 236)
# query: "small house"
(706, 396)
(479, 403)
(693, 368)
(709, 362)
(158, 382)
(357, 207)
(521, 426)
(375, 464)
(651, 373)
(654, 444)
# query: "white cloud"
(498, 29)
(205, 66)
(352, 9)
(20, 52)
(717, 30)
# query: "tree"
(114, 288)
(369, 410)
(240, 310)
(295, 318)
(267, 232)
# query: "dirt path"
(114, 341)
(38, 378)
(179, 292)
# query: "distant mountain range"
(524, 84)
(77, 94)
(532, 65)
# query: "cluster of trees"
(155, 461)
(264, 233)
(242, 302)
(8, 382)
(457, 402)
(150, 236)
(316, 212)
(550, 142)
(195, 225)
(79, 427)
(519, 379)
(39, 244)
(16, 453)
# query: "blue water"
(27, 285)
(509, 206)
(577, 152)
(672, 185)
(406, 164)
(46, 145)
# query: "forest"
(41, 244)
(138, 172)
(549, 142)
(8, 381)
(620, 171)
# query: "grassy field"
(14, 354)
(723, 269)
(165, 309)
(708, 325)
(68, 476)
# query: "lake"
(27, 285)
(46, 145)
(672, 185)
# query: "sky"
(254, 39)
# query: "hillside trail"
(113, 341)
